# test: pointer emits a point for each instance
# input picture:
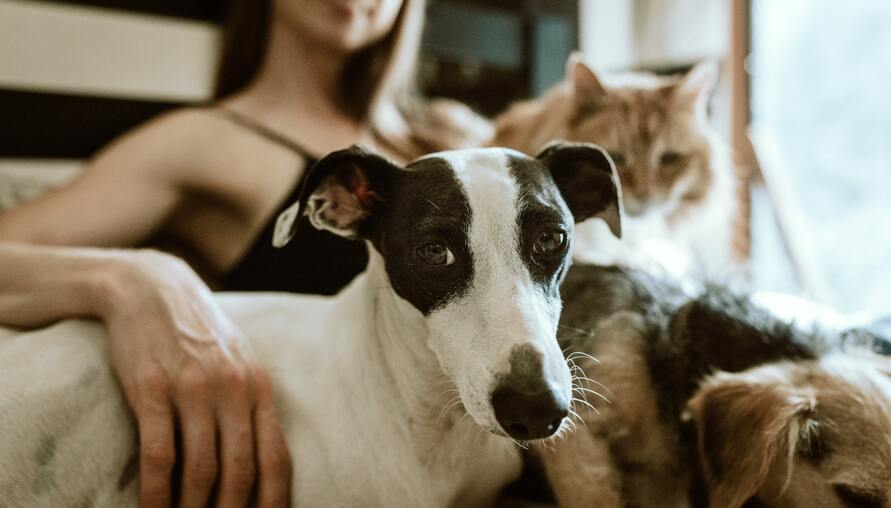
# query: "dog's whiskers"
(585, 378)
(586, 403)
(443, 393)
(452, 403)
(581, 354)
(598, 394)
(583, 397)
(601, 385)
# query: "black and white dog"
(461, 295)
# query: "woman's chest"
(225, 207)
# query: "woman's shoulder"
(189, 144)
(167, 140)
(187, 131)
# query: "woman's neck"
(298, 84)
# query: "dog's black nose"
(528, 415)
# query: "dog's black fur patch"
(426, 204)
(540, 207)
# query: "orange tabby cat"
(677, 181)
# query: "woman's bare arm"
(40, 285)
(181, 362)
(122, 196)
(178, 357)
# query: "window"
(821, 95)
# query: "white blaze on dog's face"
(811, 434)
(478, 242)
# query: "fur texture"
(714, 402)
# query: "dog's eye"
(436, 254)
(857, 498)
(669, 158)
(549, 241)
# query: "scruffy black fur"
(691, 336)
(687, 337)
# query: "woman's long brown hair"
(245, 31)
(378, 84)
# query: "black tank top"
(314, 262)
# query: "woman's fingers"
(238, 468)
(273, 458)
(198, 428)
(156, 443)
(179, 356)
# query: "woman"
(299, 78)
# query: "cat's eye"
(436, 254)
(618, 159)
(549, 241)
(855, 498)
(669, 158)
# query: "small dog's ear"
(342, 194)
(750, 426)
(588, 181)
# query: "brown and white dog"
(711, 401)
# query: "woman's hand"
(185, 368)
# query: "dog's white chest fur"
(68, 436)
(381, 440)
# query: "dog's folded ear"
(588, 181)
(750, 426)
(342, 193)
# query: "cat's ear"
(586, 88)
(697, 86)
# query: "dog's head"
(798, 435)
(477, 241)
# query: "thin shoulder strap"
(253, 125)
